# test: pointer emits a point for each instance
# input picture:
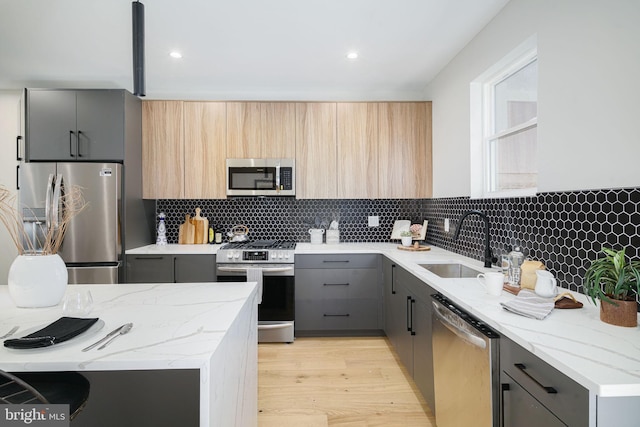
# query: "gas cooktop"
(260, 244)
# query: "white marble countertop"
(604, 359)
(176, 326)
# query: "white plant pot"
(406, 240)
(37, 280)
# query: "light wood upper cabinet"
(260, 130)
(357, 150)
(316, 175)
(162, 150)
(278, 124)
(404, 155)
(243, 130)
(205, 150)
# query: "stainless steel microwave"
(261, 177)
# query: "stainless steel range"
(270, 263)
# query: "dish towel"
(527, 303)
(255, 275)
(59, 331)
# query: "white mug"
(546, 285)
(493, 282)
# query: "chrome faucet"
(488, 256)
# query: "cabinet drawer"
(336, 314)
(337, 261)
(341, 283)
(567, 399)
(149, 269)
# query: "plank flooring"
(347, 382)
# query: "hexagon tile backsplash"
(565, 230)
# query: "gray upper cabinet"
(75, 125)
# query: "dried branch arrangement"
(48, 240)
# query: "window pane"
(513, 161)
(516, 98)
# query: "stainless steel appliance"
(271, 264)
(92, 247)
(465, 366)
(261, 177)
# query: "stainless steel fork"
(11, 332)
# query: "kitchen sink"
(451, 270)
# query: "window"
(504, 127)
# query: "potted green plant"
(406, 237)
(615, 281)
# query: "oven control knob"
(274, 255)
(236, 255)
(229, 254)
(280, 255)
(286, 255)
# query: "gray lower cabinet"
(534, 393)
(338, 294)
(407, 320)
(76, 125)
(171, 268)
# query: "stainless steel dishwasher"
(465, 365)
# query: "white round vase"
(37, 280)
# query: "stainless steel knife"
(111, 334)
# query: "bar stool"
(69, 388)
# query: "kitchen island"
(190, 359)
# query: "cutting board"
(201, 228)
(186, 232)
(414, 249)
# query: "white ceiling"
(240, 49)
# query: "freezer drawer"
(93, 275)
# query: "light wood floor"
(317, 382)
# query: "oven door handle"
(274, 326)
(264, 270)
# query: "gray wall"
(587, 110)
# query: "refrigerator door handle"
(56, 202)
(47, 203)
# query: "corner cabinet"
(76, 125)
(407, 323)
(404, 153)
(167, 268)
(338, 295)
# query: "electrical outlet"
(374, 221)
(446, 225)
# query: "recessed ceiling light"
(176, 55)
(352, 55)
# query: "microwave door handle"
(278, 177)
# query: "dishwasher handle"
(444, 317)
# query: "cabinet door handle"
(78, 146)
(336, 315)
(71, 144)
(523, 369)
(393, 280)
(413, 302)
(503, 387)
(337, 260)
(147, 257)
(408, 314)
(335, 284)
(174, 270)
(18, 156)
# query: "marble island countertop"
(176, 327)
(603, 358)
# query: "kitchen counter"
(193, 326)
(603, 358)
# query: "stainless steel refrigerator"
(92, 247)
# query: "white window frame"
(481, 124)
